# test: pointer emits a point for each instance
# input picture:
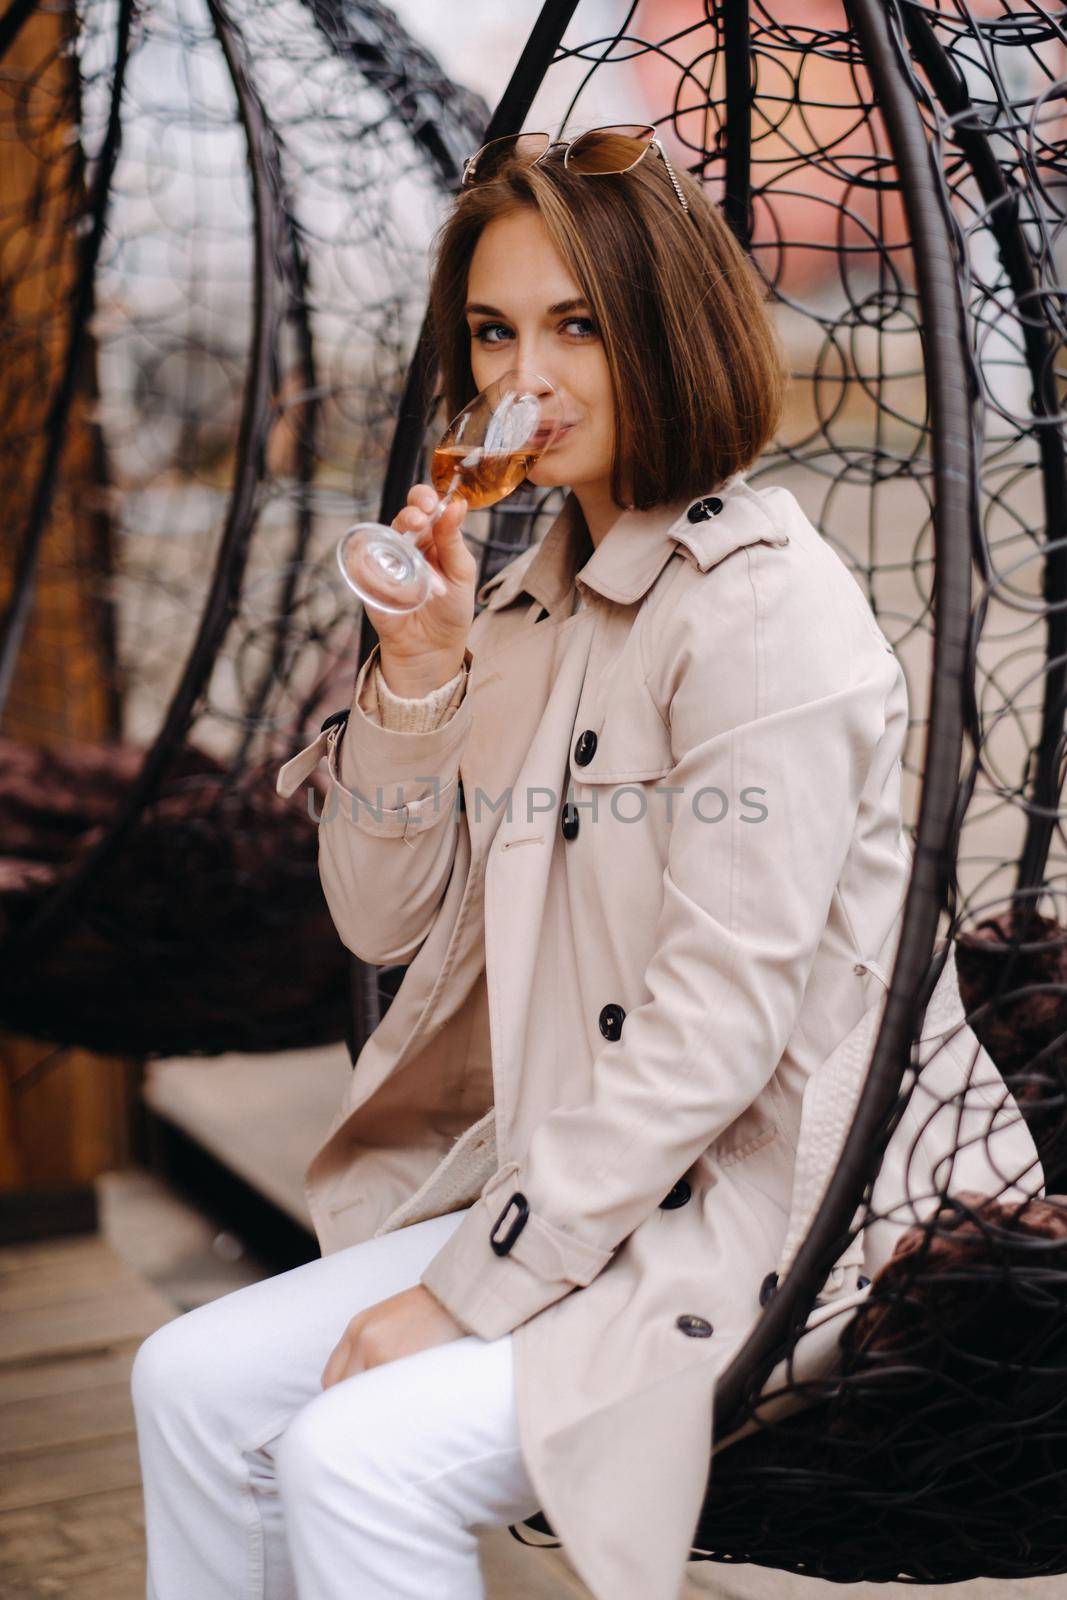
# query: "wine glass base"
(385, 569)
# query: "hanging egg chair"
(215, 215)
(897, 172)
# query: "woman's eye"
(585, 325)
(487, 327)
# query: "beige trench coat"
(738, 942)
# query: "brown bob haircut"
(697, 371)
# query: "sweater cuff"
(490, 1294)
(418, 714)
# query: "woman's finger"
(440, 540)
(422, 495)
(336, 1365)
(448, 538)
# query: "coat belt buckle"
(502, 1246)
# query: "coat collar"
(633, 552)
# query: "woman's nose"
(549, 382)
(532, 356)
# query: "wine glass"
(484, 453)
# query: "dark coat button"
(569, 821)
(677, 1196)
(333, 719)
(585, 749)
(768, 1287)
(710, 506)
(695, 1327)
(611, 1020)
(518, 1222)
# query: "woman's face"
(525, 310)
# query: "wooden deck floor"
(71, 1317)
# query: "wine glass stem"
(445, 500)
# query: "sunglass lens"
(613, 149)
(492, 156)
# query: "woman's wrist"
(412, 680)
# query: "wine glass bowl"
(483, 455)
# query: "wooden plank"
(52, 1476)
(64, 1298)
(71, 1509)
(47, 1271)
(104, 1526)
(122, 1319)
(101, 1578)
(57, 1378)
(31, 1255)
(65, 1419)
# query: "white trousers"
(261, 1485)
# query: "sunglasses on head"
(616, 148)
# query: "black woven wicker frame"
(775, 1499)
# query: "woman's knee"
(338, 1435)
(181, 1367)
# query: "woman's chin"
(546, 474)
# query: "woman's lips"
(542, 434)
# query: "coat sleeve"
(745, 903)
(387, 829)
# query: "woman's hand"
(422, 649)
(407, 1322)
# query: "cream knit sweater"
(419, 715)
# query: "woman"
(636, 830)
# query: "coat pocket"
(633, 743)
(637, 763)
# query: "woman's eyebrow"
(554, 311)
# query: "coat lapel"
(510, 688)
(522, 845)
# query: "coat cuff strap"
(367, 811)
(301, 766)
(505, 1262)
